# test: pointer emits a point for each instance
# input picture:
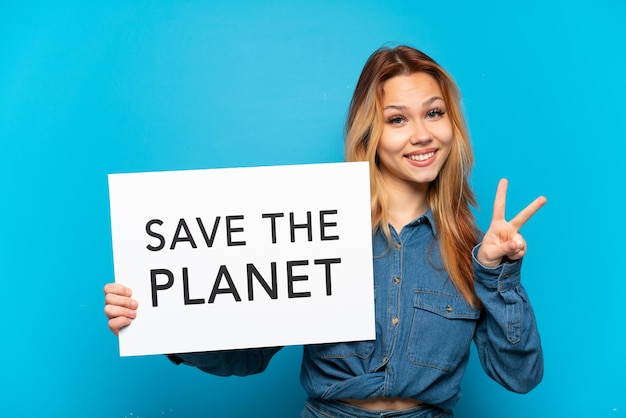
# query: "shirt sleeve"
(507, 338)
(228, 363)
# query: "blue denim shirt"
(424, 329)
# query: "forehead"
(416, 87)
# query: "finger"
(117, 289)
(116, 324)
(114, 311)
(520, 242)
(517, 254)
(521, 218)
(123, 301)
(515, 248)
(499, 203)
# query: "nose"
(420, 134)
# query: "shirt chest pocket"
(442, 330)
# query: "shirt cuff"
(503, 277)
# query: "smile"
(421, 157)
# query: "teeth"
(421, 157)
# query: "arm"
(230, 362)
(120, 308)
(507, 338)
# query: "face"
(417, 133)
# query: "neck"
(406, 204)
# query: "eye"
(396, 120)
(435, 113)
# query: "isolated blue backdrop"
(91, 88)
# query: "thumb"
(509, 247)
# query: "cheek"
(391, 141)
(445, 134)
(386, 151)
(446, 140)
(445, 154)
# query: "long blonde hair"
(449, 195)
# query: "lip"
(422, 163)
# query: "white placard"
(244, 257)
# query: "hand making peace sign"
(503, 239)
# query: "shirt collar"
(429, 217)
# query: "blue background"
(91, 88)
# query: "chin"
(425, 179)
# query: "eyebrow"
(426, 103)
(432, 100)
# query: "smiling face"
(417, 133)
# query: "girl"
(439, 282)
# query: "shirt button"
(385, 359)
(449, 308)
(395, 320)
(398, 245)
(396, 280)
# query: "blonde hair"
(449, 195)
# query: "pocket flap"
(444, 304)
